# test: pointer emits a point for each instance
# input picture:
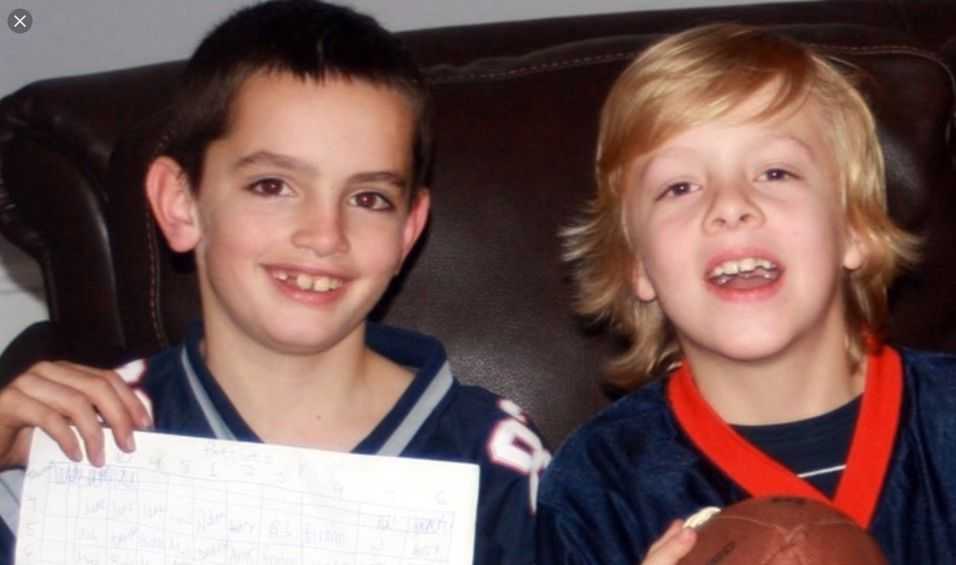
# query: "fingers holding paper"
(60, 396)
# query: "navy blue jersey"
(435, 418)
(618, 482)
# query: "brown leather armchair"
(517, 106)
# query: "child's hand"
(55, 395)
(676, 542)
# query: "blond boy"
(739, 239)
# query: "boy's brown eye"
(371, 200)
(777, 174)
(269, 187)
(678, 189)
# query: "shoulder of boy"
(514, 445)
(133, 373)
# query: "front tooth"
(731, 268)
(322, 284)
(748, 264)
(303, 281)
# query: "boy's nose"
(731, 208)
(323, 234)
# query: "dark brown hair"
(309, 39)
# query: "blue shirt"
(435, 418)
(618, 482)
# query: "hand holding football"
(781, 530)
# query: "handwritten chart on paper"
(190, 501)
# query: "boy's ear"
(416, 220)
(641, 283)
(856, 251)
(173, 204)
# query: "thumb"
(676, 542)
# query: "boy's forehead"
(284, 114)
(331, 98)
(797, 130)
(799, 123)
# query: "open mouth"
(744, 273)
(306, 282)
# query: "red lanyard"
(758, 474)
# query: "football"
(780, 530)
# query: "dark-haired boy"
(293, 169)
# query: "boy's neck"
(810, 378)
(331, 399)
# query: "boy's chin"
(309, 340)
(753, 350)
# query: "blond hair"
(696, 77)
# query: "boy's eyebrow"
(806, 147)
(298, 165)
(772, 138)
(277, 160)
(388, 177)
(792, 139)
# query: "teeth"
(308, 282)
(744, 265)
(325, 284)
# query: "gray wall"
(82, 36)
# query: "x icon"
(20, 21)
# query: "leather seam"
(896, 50)
(451, 78)
(154, 279)
(533, 69)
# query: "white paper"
(190, 501)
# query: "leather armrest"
(49, 341)
(39, 342)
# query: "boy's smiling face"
(303, 214)
(739, 233)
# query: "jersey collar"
(759, 475)
(423, 354)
